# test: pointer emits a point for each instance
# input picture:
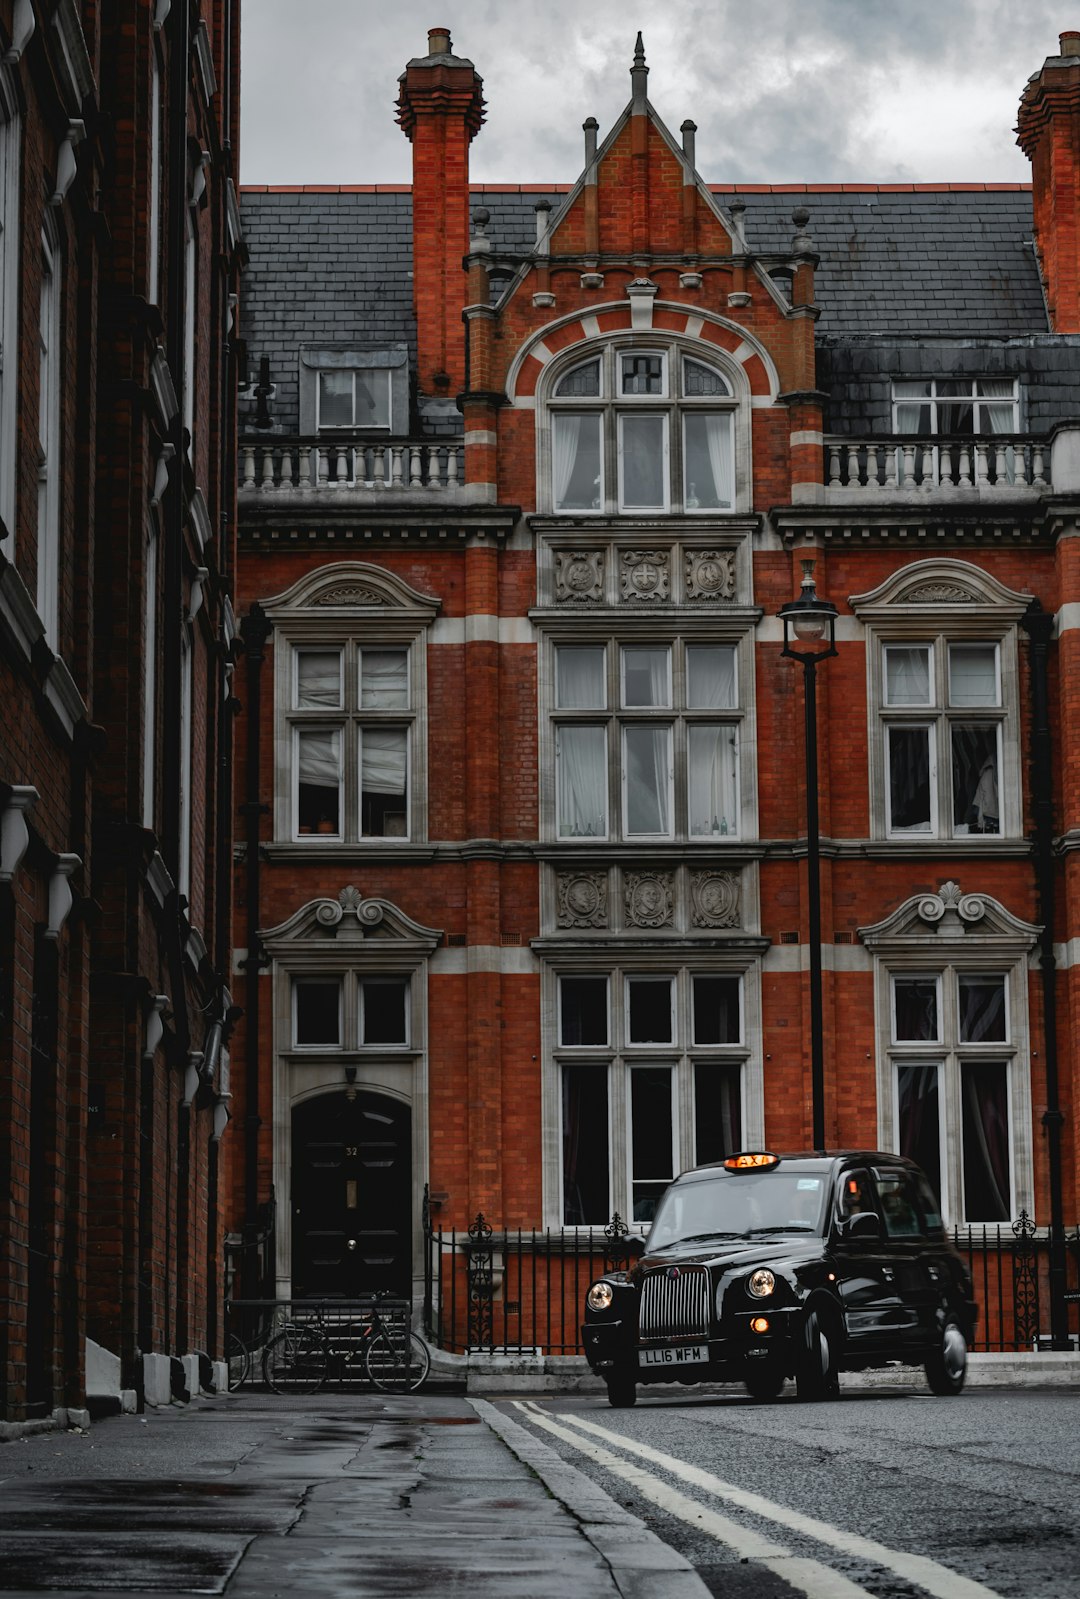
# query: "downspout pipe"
(1039, 626)
(255, 630)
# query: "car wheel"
(816, 1376)
(621, 1392)
(946, 1366)
(764, 1381)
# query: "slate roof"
(901, 267)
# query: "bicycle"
(304, 1355)
(238, 1361)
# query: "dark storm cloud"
(789, 91)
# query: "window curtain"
(708, 465)
(319, 760)
(916, 1010)
(384, 683)
(973, 676)
(581, 756)
(711, 678)
(383, 760)
(985, 1100)
(907, 676)
(580, 679)
(982, 1009)
(997, 418)
(919, 1119)
(318, 680)
(648, 785)
(566, 441)
(713, 789)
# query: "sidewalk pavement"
(359, 1495)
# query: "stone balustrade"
(1006, 465)
(272, 464)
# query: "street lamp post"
(812, 621)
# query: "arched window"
(641, 429)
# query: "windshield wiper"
(693, 1238)
(781, 1227)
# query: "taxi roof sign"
(752, 1159)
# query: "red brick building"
(121, 250)
(527, 476)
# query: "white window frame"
(354, 426)
(307, 618)
(317, 977)
(678, 718)
(364, 977)
(618, 1058)
(947, 936)
(933, 399)
(942, 603)
(673, 405)
(603, 977)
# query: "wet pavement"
(250, 1495)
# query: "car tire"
(816, 1375)
(764, 1382)
(946, 1365)
(621, 1392)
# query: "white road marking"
(919, 1569)
(810, 1577)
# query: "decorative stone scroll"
(645, 575)
(951, 911)
(650, 899)
(710, 574)
(715, 899)
(582, 899)
(350, 902)
(579, 576)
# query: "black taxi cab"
(768, 1266)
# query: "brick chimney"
(1048, 132)
(440, 109)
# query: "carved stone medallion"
(350, 594)
(650, 899)
(937, 594)
(582, 899)
(579, 576)
(715, 897)
(645, 575)
(710, 574)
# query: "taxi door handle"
(887, 1273)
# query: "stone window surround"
(338, 604)
(674, 347)
(931, 934)
(339, 357)
(654, 961)
(349, 936)
(943, 601)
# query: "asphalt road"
(892, 1493)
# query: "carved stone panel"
(710, 574)
(579, 576)
(645, 575)
(582, 899)
(650, 899)
(715, 899)
(351, 594)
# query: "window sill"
(335, 849)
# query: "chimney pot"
(1070, 43)
(438, 42)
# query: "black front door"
(351, 1196)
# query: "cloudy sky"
(786, 91)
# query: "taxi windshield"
(740, 1206)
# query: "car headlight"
(600, 1296)
(761, 1283)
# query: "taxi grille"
(675, 1307)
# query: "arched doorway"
(351, 1196)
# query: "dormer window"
(642, 431)
(354, 399)
(956, 407)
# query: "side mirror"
(864, 1224)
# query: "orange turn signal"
(759, 1324)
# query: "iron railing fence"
(254, 1322)
(521, 1291)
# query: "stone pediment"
(930, 586)
(349, 586)
(349, 920)
(926, 920)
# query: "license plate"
(678, 1355)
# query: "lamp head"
(811, 620)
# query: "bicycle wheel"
(295, 1361)
(238, 1362)
(395, 1367)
